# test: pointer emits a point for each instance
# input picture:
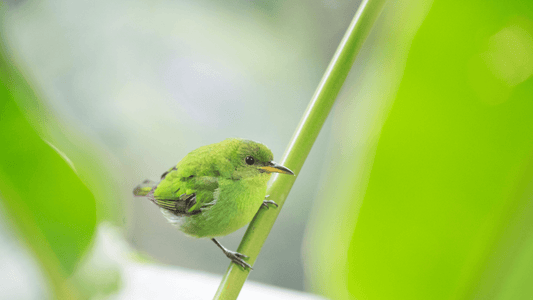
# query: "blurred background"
(420, 185)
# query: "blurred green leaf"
(447, 212)
(52, 208)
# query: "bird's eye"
(249, 160)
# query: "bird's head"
(251, 159)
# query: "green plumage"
(215, 189)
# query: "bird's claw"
(208, 205)
(237, 258)
(267, 202)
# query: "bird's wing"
(184, 193)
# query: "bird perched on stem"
(215, 189)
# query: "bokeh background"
(419, 186)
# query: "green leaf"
(447, 211)
(50, 206)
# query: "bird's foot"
(237, 258)
(208, 205)
(267, 202)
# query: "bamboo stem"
(302, 142)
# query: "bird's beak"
(273, 167)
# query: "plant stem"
(301, 143)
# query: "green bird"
(215, 189)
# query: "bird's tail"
(144, 188)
